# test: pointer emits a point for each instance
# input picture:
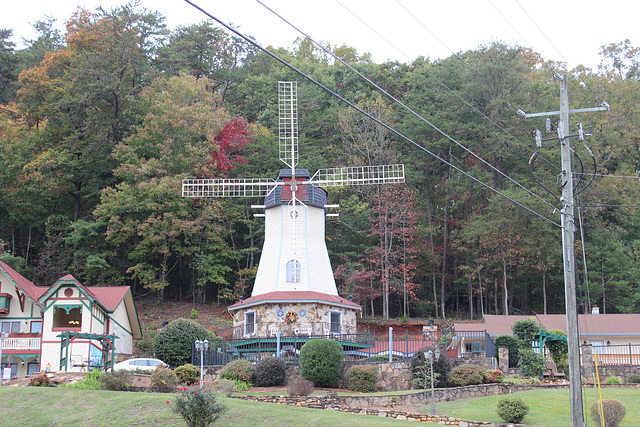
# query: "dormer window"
(293, 271)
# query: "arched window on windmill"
(293, 271)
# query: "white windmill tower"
(294, 289)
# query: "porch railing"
(31, 343)
(624, 354)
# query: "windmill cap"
(302, 173)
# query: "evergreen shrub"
(363, 379)
(421, 369)
(531, 364)
(466, 374)
(613, 410)
(270, 371)
(173, 343)
(188, 374)
(321, 362)
(512, 409)
(163, 380)
(238, 370)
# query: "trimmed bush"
(198, 407)
(526, 331)
(270, 371)
(512, 409)
(238, 370)
(531, 364)
(362, 378)
(39, 380)
(188, 374)
(173, 343)
(467, 374)
(116, 380)
(613, 380)
(321, 362)
(163, 380)
(300, 387)
(493, 377)
(634, 379)
(614, 412)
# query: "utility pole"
(567, 222)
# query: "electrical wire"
(404, 105)
(350, 104)
(473, 108)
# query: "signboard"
(6, 373)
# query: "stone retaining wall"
(333, 403)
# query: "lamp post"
(202, 346)
(3, 336)
(430, 355)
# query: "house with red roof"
(66, 326)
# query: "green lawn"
(547, 408)
(47, 406)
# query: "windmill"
(294, 256)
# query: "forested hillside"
(100, 123)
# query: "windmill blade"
(257, 187)
(359, 175)
(288, 122)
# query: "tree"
(8, 67)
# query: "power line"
(402, 104)
(542, 32)
(350, 104)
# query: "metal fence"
(360, 347)
(625, 354)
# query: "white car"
(142, 364)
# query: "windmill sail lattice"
(294, 255)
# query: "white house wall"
(316, 273)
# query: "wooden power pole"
(568, 242)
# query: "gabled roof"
(294, 296)
(32, 291)
(588, 324)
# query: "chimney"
(595, 310)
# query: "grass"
(48, 406)
(547, 408)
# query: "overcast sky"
(564, 30)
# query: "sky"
(564, 30)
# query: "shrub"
(510, 342)
(467, 374)
(421, 369)
(226, 386)
(321, 362)
(39, 380)
(531, 364)
(613, 380)
(559, 350)
(116, 380)
(516, 380)
(512, 409)
(614, 412)
(92, 381)
(526, 331)
(163, 380)
(238, 370)
(270, 371)
(494, 376)
(634, 379)
(188, 374)
(198, 407)
(173, 343)
(241, 386)
(362, 378)
(194, 313)
(300, 387)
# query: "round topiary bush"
(467, 374)
(270, 371)
(362, 378)
(173, 343)
(512, 409)
(163, 380)
(188, 374)
(321, 362)
(613, 410)
(238, 370)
